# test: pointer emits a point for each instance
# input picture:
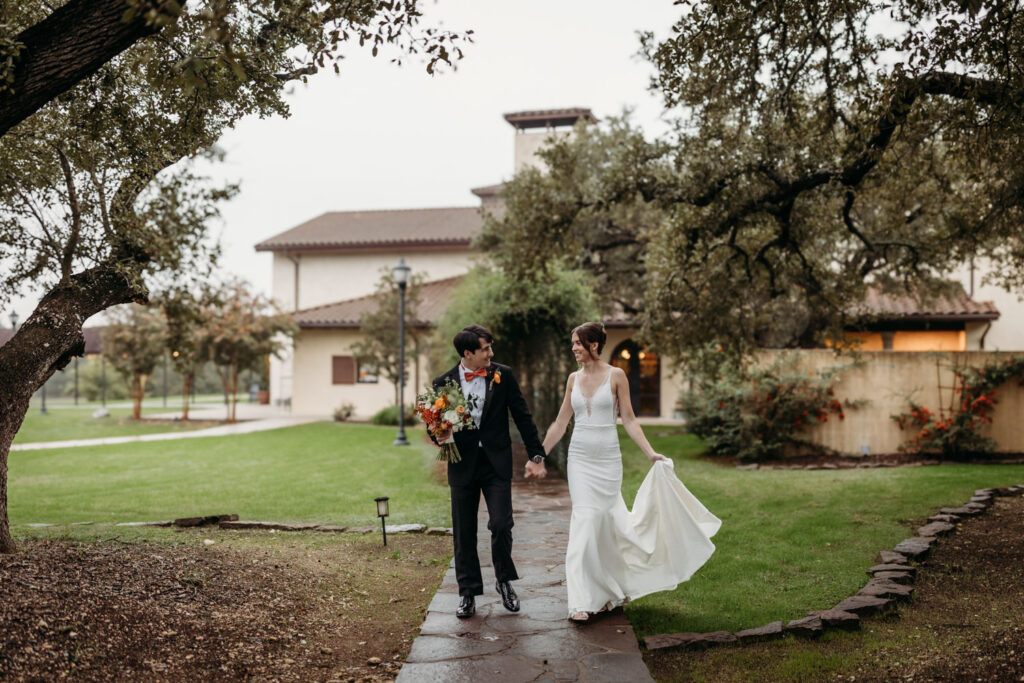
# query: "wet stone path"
(538, 643)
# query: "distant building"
(326, 269)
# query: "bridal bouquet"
(446, 410)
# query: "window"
(367, 372)
(343, 370)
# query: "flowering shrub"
(759, 415)
(957, 432)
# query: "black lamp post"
(401, 273)
(14, 321)
(382, 512)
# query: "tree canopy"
(816, 147)
(102, 104)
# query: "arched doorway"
(643, 369)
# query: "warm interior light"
(625, 354)
(642, 355)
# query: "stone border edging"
(862, 464)
(232, 522)
(889, 584)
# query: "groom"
(486, 466)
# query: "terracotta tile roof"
(374, 229)
(347, 314)
(954, 306)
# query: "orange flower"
(439, 403)
(459, 410)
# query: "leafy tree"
(94, 196)
(241, 331)
(46, 51)
(531, 321)
(813, 152)
(379, 328)
(185, 311)
(133, 342)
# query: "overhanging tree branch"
(69, 45)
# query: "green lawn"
(63, 422)
(792, 541)
(321, 472)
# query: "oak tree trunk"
(45, 343)
(69, 45)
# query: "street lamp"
(382, 512)
(401, 273)
(14, 321)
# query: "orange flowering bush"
(956, 432)
(760, 414)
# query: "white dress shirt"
(475, 387)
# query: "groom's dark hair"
(468, 339)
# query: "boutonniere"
(495, 379)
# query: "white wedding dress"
(615, 555)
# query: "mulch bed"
(105, 611)
(964, 623)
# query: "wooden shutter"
(343, 370)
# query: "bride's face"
(579, 351)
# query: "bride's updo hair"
(588, 333)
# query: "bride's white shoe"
(579, 617)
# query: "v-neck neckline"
(589, 398)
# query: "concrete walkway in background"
(253, 418)
(538, 643)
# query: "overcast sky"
(379, 136)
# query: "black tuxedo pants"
(465, 509)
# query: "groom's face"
(481, 358)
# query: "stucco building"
(326, 269)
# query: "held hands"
(535, 470)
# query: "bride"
(615, 555)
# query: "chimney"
(535, 128)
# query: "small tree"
(380, 329)
(531, 321)
(242, 330)
(185, 312)
(134, 343)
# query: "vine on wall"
(956, 432)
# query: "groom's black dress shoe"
(508, 596)
(467, 607)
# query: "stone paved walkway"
(538, 643)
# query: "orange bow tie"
(482, 372)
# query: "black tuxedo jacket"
(502, 398)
